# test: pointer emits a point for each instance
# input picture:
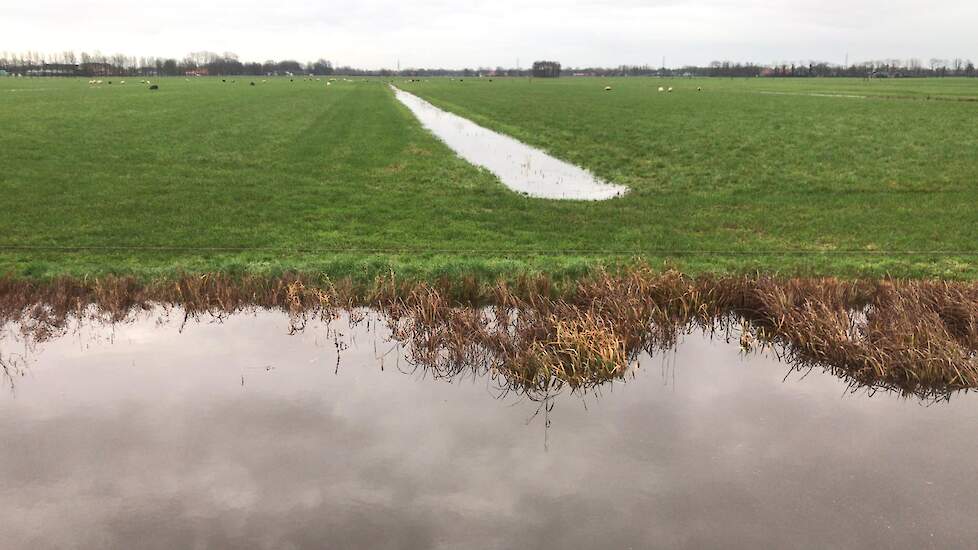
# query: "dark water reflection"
(239, 435)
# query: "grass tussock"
(919, 337)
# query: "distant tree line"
(69, 63)
(889, 68)
(197, 63)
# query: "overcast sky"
(459, 33)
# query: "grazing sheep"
(699, 89)
(224, 80)
(154, 87)
(98, 81)
(122, 82)
(670, 89)
(661, 89)
(252, 83)
(607, 88)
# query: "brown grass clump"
(919, 337)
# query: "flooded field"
(519, 166)
(255, 431)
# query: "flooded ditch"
(520, 167)
(282, 415)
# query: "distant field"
(204, 176)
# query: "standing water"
(519, 166)
(239, 433)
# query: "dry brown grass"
(919, 337)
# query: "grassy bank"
(209, 176)
(917, 337)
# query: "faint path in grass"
(520, 167)
(843, 95)
(816, 94)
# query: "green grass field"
(293, 176)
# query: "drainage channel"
(520, 167)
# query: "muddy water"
(519, 166)
(235, 434)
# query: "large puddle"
(519, 166)
(244, 432)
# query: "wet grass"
(824, 185)
(287, 177)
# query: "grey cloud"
(378, 33)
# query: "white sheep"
(670, 89)
(607, 88)
(661, 89)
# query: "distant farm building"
(546, 69)
(199, 71)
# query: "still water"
(238, 434)
(517, 165)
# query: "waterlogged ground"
(237, 434)
(519, 167)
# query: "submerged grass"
(918, 337)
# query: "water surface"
(235, 434)
(519, 166)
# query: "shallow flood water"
(236, 434)
(519, 166)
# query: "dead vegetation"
(919, 337)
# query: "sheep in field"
(661, 89)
